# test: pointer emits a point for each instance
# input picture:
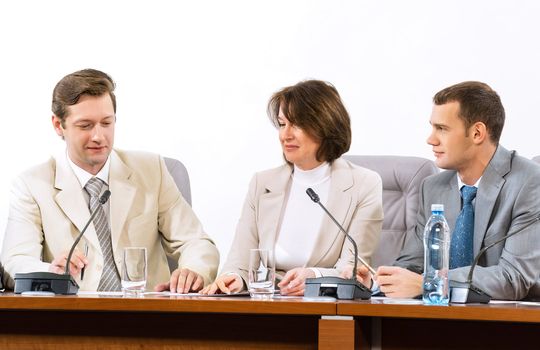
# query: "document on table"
(165, 294)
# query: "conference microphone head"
(314, 196)
(105, 197)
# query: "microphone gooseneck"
(337, 287)
(102, 200)
(483, 250)
(315, 198)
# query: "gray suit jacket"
(508, 198)
(355, 199)
(48, 210)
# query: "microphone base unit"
(339, 288)
(45, 282)
(464, 293)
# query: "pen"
(371, 269)
(85, 254)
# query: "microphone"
(337, 287)
(466, 292)
(56, 283)
(102, 200)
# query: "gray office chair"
(181, 177)
(401, 178)
(536, 159)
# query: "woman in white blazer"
(314, 131)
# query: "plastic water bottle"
(436, 257)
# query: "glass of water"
(261, 274)
(134, 271)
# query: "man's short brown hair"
(315, 107)
(69, 90)
(477, 103)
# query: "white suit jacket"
(355, 199)
(48, 210)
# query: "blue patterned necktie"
(461, 244)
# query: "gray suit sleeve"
(512, 273)
(412, 253)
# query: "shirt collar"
(461, 183)
(83, 176)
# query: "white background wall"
(193, 77)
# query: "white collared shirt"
(83, 176)
(461, 184)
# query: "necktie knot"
(93, 187)
(468, 193)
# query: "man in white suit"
(50, 202)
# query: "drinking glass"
(134, 271)
(261, 273)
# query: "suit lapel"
(122, 193)
(451, 198)
(488, 191)
(71, 200)
(339, 205)
(271, 203)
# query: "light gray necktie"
(110, 280)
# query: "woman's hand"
(228, 284)
(362, 275)
(293, 283)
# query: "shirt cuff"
(316, 272)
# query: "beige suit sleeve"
(246, 236)
(182, 232)
(22, 247)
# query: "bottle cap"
(437, 207)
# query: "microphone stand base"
(45, 282)
(468, 294)
(339, 288)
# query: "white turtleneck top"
(302, 218)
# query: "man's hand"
(293, 283)
(362, 275)
(231, 283)
(78, 261)
(397, 282)
(182, 281)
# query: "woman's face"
(298, 147)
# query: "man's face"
(451, 143)
(88, 131)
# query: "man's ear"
(57, 125)
(479, 132)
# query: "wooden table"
(411, 326)
(153, 322)
(93, 322)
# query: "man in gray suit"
(467, 121)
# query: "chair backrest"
(536, 159)
(181, 177)
(401, 179)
